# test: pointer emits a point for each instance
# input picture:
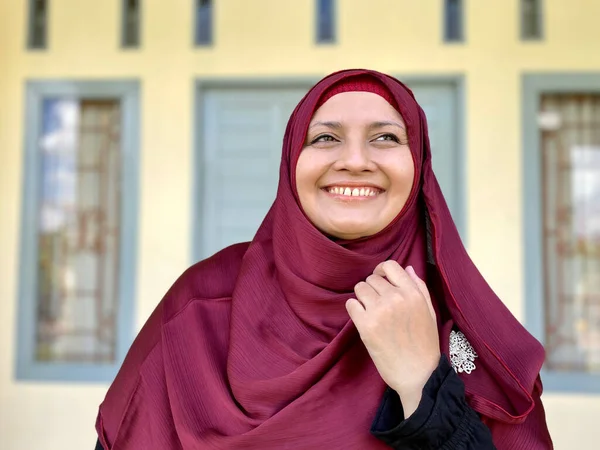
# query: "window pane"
(131, 23)
(453, 20)
(78, 231)
(571, 212)
(325, 21)
(204, 17)
(531, 19)
(38, 17)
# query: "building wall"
(271, 38)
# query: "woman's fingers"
(366, 294)
(393, 314)
(395, 274)
(379, 284)
(356, 311)
(405, 280)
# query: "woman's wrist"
(411, 391)
(410, 402)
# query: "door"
(242, 135)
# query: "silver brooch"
(462, 353)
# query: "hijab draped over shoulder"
(253, 347)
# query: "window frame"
(334, 24)
(30, 27)
(124, 44)
(445, 18)
(533, 87)
(540, 24)
(127, 91)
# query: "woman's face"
(356, 171)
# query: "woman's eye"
(388, 137)
(323, 138)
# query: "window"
(78, 231)
(38, 24)
(561, 211)
(204, 22)
(531, 19)
(453, 21)
(570, 161)
(130, 36)
(325, 19)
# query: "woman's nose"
(355, 157)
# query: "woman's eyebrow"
(338, 125)
(385, 124)
(332, 125)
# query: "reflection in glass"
(78, 231)
(571, 208)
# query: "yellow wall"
(274, 38)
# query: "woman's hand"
(396, 321)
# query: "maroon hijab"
(253, 347)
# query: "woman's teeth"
(353, 192)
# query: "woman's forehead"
(356, 106)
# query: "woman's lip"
(354, 184)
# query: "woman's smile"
(352, 192)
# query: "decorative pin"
(462, 353)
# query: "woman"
(353, 320)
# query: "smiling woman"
(356, 170)
(353, 320)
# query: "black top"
(443, 419)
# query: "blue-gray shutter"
(242, 137)
(440, 105)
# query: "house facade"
(137, 137)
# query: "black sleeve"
(98, 445)
(443, 420)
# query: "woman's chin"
(351, 231)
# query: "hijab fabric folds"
(253, 347)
